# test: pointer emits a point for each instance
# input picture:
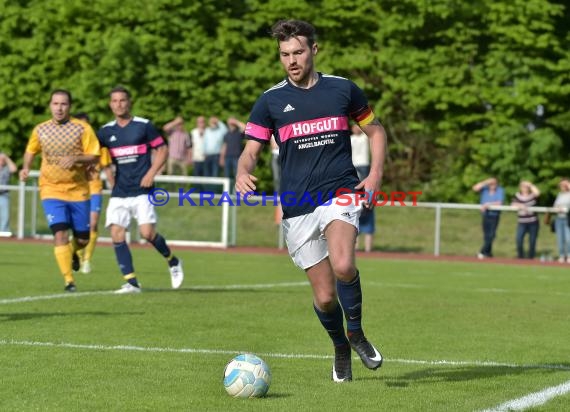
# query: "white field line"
(110, 292)
(533, 399)
(490, 364)
(473, 290)
(257, 286)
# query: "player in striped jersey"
(308, 113)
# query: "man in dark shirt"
(308, 113)
(131, 141)
(231, 148)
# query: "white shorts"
(121, 210)
(304, 234)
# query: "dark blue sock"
(350, 297)
(125, 260)
(333, 324)
(159, 244)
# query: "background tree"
(465, 90)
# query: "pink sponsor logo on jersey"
(312, 127)
(128, 150)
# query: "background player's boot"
(85, 267)
(128, 288)
(75, 263)
(176, 275)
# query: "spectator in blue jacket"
(491, 194)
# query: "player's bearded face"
(297, 58)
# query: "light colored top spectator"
(360, 147)
(7, 167)
(197, 135)
(214, 136)
(562, 200)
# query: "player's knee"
(326, 301)
(344, 271)
(59, 227)
(82, 238)
(147, 234)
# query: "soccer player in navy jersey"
(308, 113)
(131, 141)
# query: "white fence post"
(437, 238)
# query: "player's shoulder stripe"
(279, 85)
(330, 76)
(140, 119)
(111, 123)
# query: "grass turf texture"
(166, 350)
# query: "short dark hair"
(284, 30)
(120, 89)
(61, 91)
(82, 116)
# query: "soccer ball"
(247, 376)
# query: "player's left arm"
(378, 144)
(158, 160)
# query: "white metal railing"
(22, 188)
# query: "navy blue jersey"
(311, 127)
(130, 148)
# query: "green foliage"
(457, 84)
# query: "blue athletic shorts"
(96, 203)
(75, 214)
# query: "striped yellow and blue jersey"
(55, 141)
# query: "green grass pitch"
(456, 336)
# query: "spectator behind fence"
(490, 194)
(7, 167)
(213, 141)
(361, 160)
(527, 221)
(562, 203)
(178, 145)
(198, 146)
(232, 146)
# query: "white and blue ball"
(247, 376)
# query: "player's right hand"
(24, 173)
(245, 183)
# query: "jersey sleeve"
(105, 159)
(33, 145)
(359, 109)
(154, 137)
(101, 137)
(90, 142)
(259, 126)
